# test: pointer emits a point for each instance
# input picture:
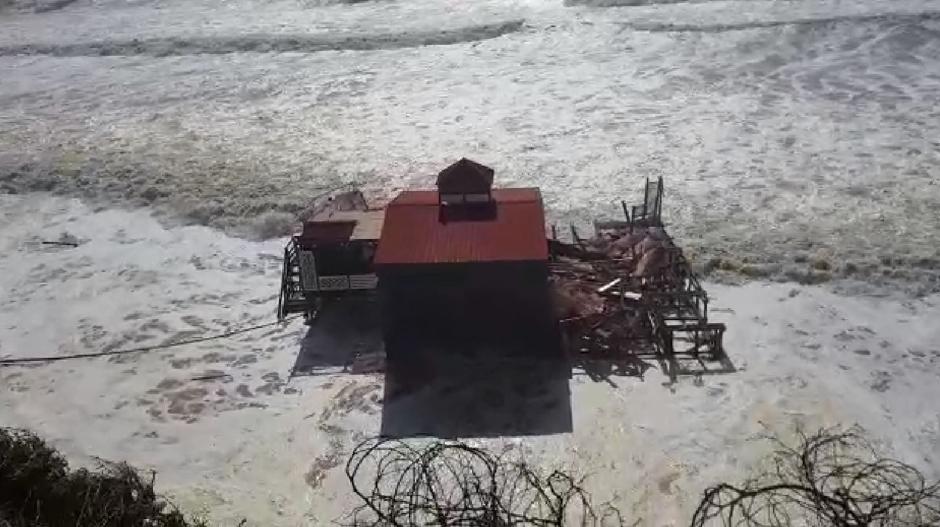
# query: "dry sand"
(260, 446)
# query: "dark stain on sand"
(324, 464)
(243, 390)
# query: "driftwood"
(65, 244)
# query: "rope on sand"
(28, 360)
(57, 358)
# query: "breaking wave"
(625, 3)
(721, 28)
(33, 6)
(53, 5)
(265, 43)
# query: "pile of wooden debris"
(599, 284)
(629, 290)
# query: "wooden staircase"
(292, 298)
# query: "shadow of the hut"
(468, 385)
(479, 389)
(345, 335)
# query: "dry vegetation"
(38, 489)
(831, 478)
(451, 483)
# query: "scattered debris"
(65, 239)
(606, 287)
(67, 244)
(212, 377)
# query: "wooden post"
(626, 212)
(552, 249)
(659, 201)
(623, 289)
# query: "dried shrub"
(38, 489)
(447, 483)
(834, 478)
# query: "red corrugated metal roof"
(414, 234)
(500, 195)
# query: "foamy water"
(799, 140)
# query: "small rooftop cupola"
(465, 182)
(465, 191)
